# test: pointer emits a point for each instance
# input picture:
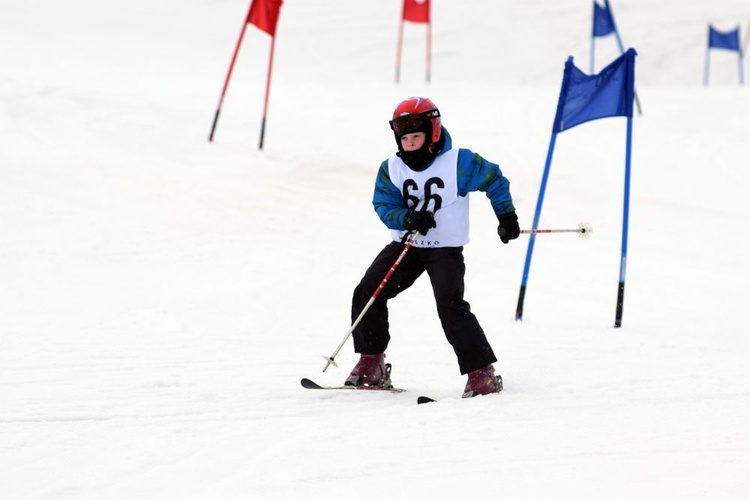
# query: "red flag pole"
(268, 91)
(226, 80)
(398, 48)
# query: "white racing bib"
(437, 188)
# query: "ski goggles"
(412, 123)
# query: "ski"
(309, 384)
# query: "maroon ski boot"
(483, 381)
(370, 370)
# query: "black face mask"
(419, 159)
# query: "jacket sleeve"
(477, 174)
(387, 200)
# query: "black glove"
(508, 228)
(419, 221)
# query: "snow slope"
(162, 296)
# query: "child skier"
(424, 188)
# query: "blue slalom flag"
(604, 24)
(729, 40)
(589, 97)
(724, 40)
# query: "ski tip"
(424, 399)
(309, 384)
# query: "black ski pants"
(446, 269)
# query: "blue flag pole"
(625, 223)
(617, 37)
(739, 62)
(622, 51)
(556, 127)
(614, 26)
(535, 225)
(707, 64)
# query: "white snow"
(161, 297)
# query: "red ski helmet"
(416, 114)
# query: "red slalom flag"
(264, 14)
(416, 11)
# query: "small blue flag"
(721, 40)
(603, 22)
(588, 97)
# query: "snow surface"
(161, 296)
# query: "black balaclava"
(419, 159)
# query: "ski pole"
(584, 231)
(409, 243)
